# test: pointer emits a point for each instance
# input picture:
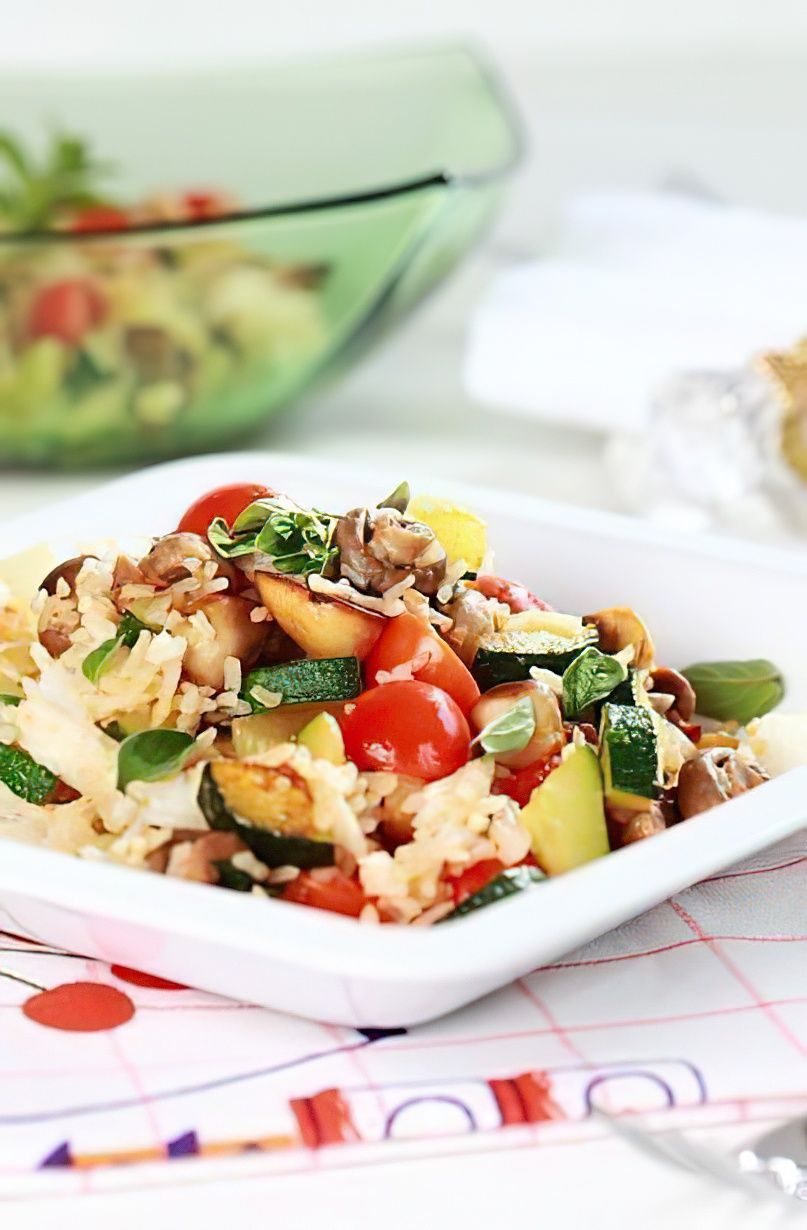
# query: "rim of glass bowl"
(443, 177)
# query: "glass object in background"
(727, 449)
(364, 181)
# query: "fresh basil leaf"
(736, 691)
(398, 499)
(232, 877)
(99, 661)
(23, 776)
(115, 731)
(255, 515)
(511, 731)
(151, 755)
(590, 677)
(295, 540)
(220, 537)
(7, 699)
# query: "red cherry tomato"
(473, 878)
(406, 638)
(226, 502)
(66, 310)
(338, 893)
(521, 785)
(201, 203)
(99, 218)
(408, 727)
(516, 596)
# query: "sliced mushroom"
(474, 618)
(713, 777)
(549, 736)
(59, 616)
(166, 562)
(626, 826)
(620, 626)
(67, 572)
(670, 683)
(126, 573)
(234, 636)
(379, 548)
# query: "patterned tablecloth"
(694, 1015)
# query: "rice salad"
(351, 711)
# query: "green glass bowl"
(364, 182)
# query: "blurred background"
(598, 344)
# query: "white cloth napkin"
(633, 289)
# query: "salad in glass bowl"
(111, 345)
(352, 711)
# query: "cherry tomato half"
(408, 727)
(473, 878)
(516, 596)
(99, 218)
(207, 203)
(406, 638)
(337, 893)
(66, 310)
(521, 785)
(226, 502)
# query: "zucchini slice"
(265, 838)
(513, 880)
(23, 776)
(306, 681)
(629, 755)
(507, 657)
(629, 691)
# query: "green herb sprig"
(151, 755)
(298, 541)
(33, 195)
(99, 661)
(590, 677)
(510, 731)
(736, 691)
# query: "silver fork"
(776, 1165)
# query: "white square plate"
(702, 599)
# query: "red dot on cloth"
(139, 979)
(81, 1007)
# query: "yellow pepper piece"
(462, 534)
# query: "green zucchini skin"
(513, 880)
(306, 681)
(23, 776)
(231, 877)
(509, 657)
(273, 848)
(629, 751)
(625, 692)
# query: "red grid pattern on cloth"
(193, 1074)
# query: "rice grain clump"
(456, 822)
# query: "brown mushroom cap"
(59, 616)
(379, 547)
(166, 563)
(673, 684)
(68, 572)
(626, 826)
(713, 777)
